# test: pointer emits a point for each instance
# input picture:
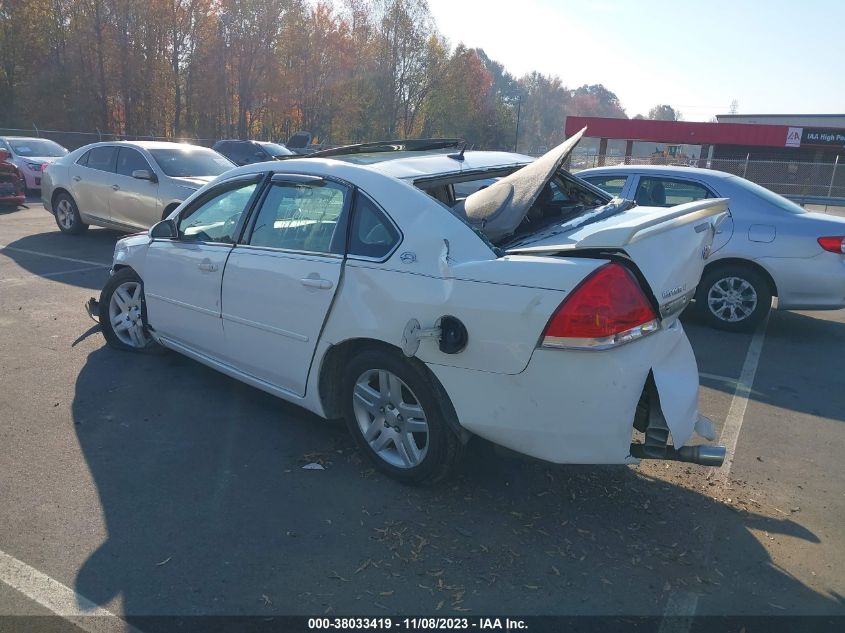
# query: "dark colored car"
(248, 152)
(11, 183)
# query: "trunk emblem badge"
(408, 257)
(674, 291)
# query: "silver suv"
(127, 186)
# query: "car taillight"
(833, 244)
(44, 166)
(607, 309)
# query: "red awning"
(680, 131)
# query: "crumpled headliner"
(499, 209)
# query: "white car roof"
(432, 164)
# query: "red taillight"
(833, 244)
(608, 308)
(44, 166)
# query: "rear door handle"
(115, 187)
(317, 282)
(77, 178)
(207, 267)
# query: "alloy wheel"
(64, 213)
(125, 315)
(390, 418)
(732, 299)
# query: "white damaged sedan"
(361, 283)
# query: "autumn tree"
(664, 113)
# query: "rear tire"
(67, 215)
(123, 313)
(397, 418)
(734, 298)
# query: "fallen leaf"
(266, 600)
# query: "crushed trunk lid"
(668, 245)
(500, 208)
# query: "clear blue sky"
(772, 57)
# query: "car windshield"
(274, 149)
(769, 196)
(37, 147)
(185, 163)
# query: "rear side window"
(611, 184)
(372, 234)
(102, 158)
(83, 160)
(128, 160)
(667, 192)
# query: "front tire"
(123, 313)
(398, 419)
(733, 298)
(67, 215)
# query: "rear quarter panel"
(504, 304)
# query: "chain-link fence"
(73, 140)
(793, 179)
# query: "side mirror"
(144, 174)
(164, 230)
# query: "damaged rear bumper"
(580, 407)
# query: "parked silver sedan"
(128, 186)
(768, 246)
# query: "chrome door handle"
(316, 282)
(77, 178)
(115, 187)
(207, 267)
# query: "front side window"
(372, 234)
(611, 184)
(301, 217)
(191, 162)
(216, 218)
(666, 192)
(129, 160)
(102, 158)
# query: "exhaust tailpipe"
(702, 454)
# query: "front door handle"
(115, 187)
(317, 282)
(77, 178)
(207, 267)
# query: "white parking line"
(15, 249)
(682, 605)
(61, 600)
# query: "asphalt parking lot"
(151, 485)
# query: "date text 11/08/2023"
(418, 624)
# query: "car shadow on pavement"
(209, 511)
(798, 369)
(51, 254)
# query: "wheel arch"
(331, 375)
(56, 193)
(743, 263)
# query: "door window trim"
(126, 148)
(676, 179)
(342, 225)
(113, 169)
(260, 179)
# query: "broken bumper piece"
(92, 307)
